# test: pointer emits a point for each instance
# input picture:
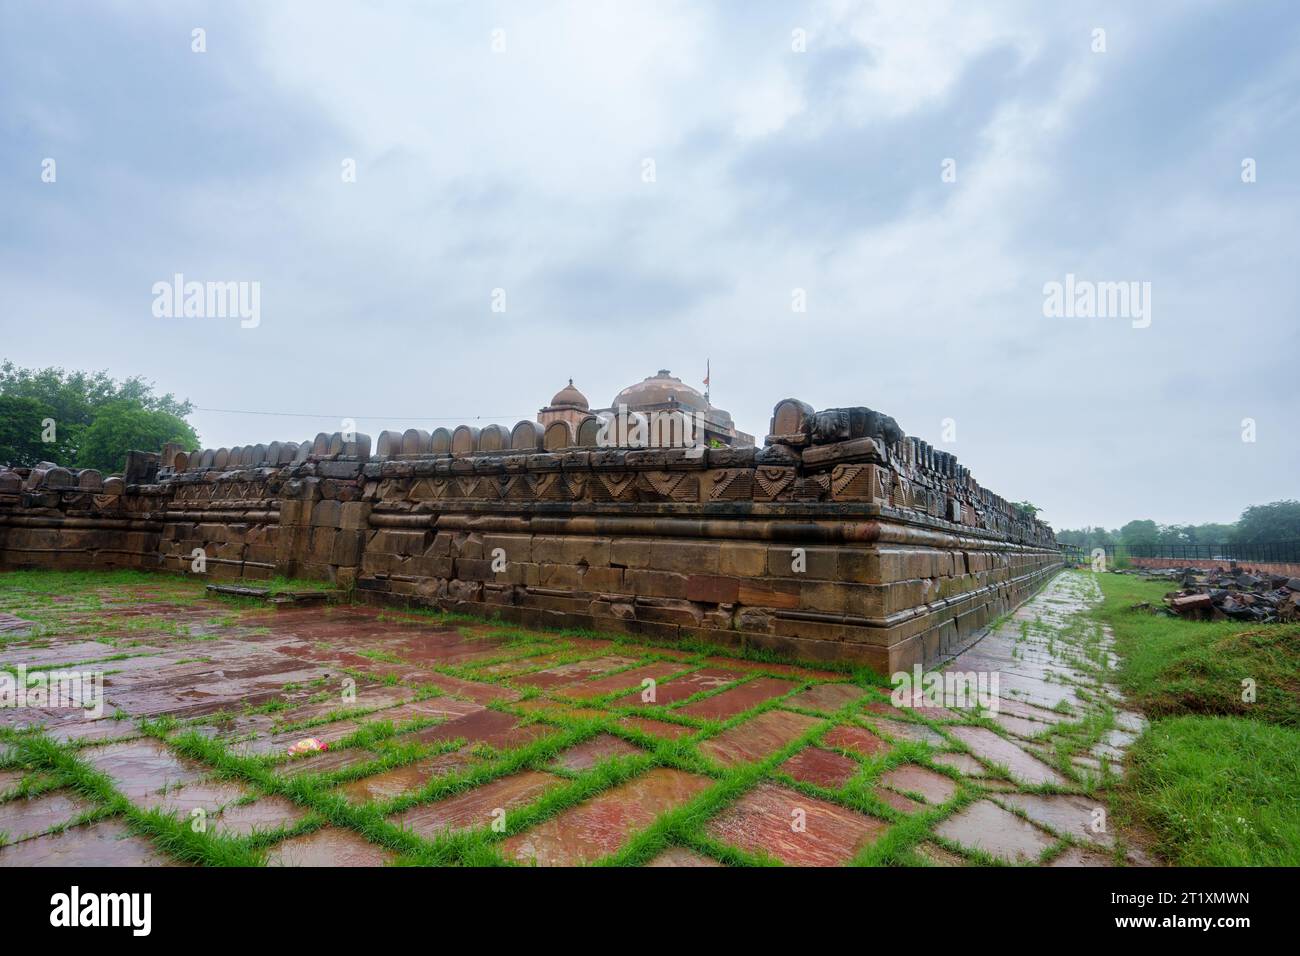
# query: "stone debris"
(1236, 594)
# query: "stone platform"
(466, 743)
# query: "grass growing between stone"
(1216, 773)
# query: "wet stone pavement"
(451, 741)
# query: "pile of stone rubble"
(1231, 594)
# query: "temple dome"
(661, 389)
(570, 396)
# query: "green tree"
(122, 425)
(1140, 534)
(1275, 521)
(23, 431)
(75, 400)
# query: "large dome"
(570, 396)
(661, 389)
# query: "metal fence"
(1278, 552)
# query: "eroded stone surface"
(140, 767)
(766, 820)
(1023, 767)
(266, 813)
(405, 779)
(856, 739)
(827, 698)
(1072, 816)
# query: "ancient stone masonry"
(841, 539)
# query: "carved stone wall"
(842, 539)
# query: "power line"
(377, 418)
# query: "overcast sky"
(505, 147)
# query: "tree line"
(85, 419)
(1270, 523)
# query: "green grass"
(1215, 776)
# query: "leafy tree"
(124, 424)
(1276, 521)
(22, 432)
(75, 401)
(1140, 534)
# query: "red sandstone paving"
(824, 768)
(757, 737)
(896, 800)
(325, 762)
(492, 727)
(681, 856)
(986, 826)
(266, 813)
(600, 826)
(602, 686)
(70, 653)
(328, 846)
(679, 688)
(209, 796)
(826, 698)
(855, 739)
(729, 703)
(910, 778)
(9, 779)
(107, 843)
(405, 779)
(994, 749)
(576, 671)
(29, 816)
(657, 728)
(140, 767)
(587, 754)
(474, 808)
(764, 821)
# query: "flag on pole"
(706, 371)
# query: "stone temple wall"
(841, 539)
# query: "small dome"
(661, 389)
(570, 396)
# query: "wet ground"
(446, 741)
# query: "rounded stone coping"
(526, 436)
(415, 441)
(464, 440)
(493, 438)
(558, 434)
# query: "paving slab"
(911, 778)
(936, 855)
(827, 698)
(477, 807)
(964, 764)
(986, 826)
(825, 768)
(795, 828)
(601, 825)
(262, 815)
(997, 750)
(601, 686)
(140, 767)
(1076, 856)
(680, 856)
(757, 737)
(861, 741)
(1066, 814)
(901, 730)
(657, 728)
(573, 672)
(898, 801)
(587, 754)
(328, 846)
(492, 727)
(404, 779)
(29, 816)
(209, 796)
(680, 688)
(106, 843)
(729, 703)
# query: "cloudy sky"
(649, 184)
